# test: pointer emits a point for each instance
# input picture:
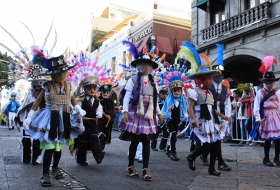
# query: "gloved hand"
(28, 120)
(79, 110)
(98, 115)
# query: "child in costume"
(221, 103)
(203, 116)
(22, 113)
(108, 106)
(52, 125)
(92, 134)
(174, 109)
(140, 108)
(11, 110)
(266, 106)
(163, 92)
(88, 75)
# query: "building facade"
(249, 30)
(162, 27)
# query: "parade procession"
(155, 98)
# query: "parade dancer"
(108, 107)
(266, 106)
(11, 110)
(174, 110)
(203, 116)
(163, 92)
(22, 113)
(52, 125)
(140, 108)
(87, 75)
(222, 104)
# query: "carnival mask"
(60, 77)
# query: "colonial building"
(164, 27)
(249, 30)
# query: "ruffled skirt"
(40, 127)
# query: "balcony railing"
(237, 22)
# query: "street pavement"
(246, 161)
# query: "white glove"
(28, 120)
(79, 110)
(98, 115)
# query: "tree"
(4, 61)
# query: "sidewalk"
(248, 170)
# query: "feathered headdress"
(267, 62)
(87, 68)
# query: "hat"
(105, 87)
(13, 94)
(176, 84)
(54, 65)
(204, 68)
(162, 89)
(150, 57)
(90, 81)
(145, 58)
(269, 77)
(220, 62)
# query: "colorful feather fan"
(220, 54)
(133, 51)
(87, 68)
(267, 62)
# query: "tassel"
(140, 109)
(54, 124)
(149, 113)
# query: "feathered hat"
(219, 65)
(54, 65)
(144, 57)
(268, 76)
(200, 65)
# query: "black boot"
(162, 145)
(168, 153)
(154, 145)
(45, 180)
(26, 154)
(174, 157)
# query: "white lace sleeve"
(193, 94)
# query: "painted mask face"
(36, 91)
(177, 92)
(269, 86)
(105, 94)
(90, 90)
(60, 77)
(207, 81)
(145, 68)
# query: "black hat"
(145, 58)
(269, 77)
(105, 87)
(225, 73)
(57, 65)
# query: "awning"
(142, 43)
(178, 44)
(202, 4)
(163, 44)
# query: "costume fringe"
(66, 123)
(140, 109)
(149, 113)
(54, 124)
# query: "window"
(252, 3)
(124, 58)
(217, 12)
(113, 64)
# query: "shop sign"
(143, 34)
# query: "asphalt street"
(246, 162)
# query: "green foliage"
(241, 87)
(4, 60)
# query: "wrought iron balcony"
(243, 20)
